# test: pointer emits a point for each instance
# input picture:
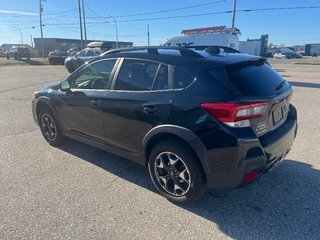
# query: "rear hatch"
(23, 51)
(256, 85)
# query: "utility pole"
(234, 13)
(40, 14)
(79, 6)
(148, 36)
(84, 24)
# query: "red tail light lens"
(250, 177)
(236, 114)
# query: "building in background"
(256, 47)
(50, 44)
(312, 49)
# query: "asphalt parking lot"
(79, 192)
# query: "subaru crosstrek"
(196, 120)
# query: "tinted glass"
(81, 53)
(89, 53)
(94, 76)
(136, 75)
(255, 79)
(161, 80)
(181, 79)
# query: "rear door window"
(181, 79)
(89, 53)
(140, 75)
(255, 78)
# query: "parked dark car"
(286, 55)
(57, 57)
(18, 53)
(194, 119)
(71, 63)
(293, 55)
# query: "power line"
(220, 12)
(171, 10)
(58, 13)
(191, 15)
(157, 12)
(90, 9)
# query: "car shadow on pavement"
(116, 165)
(284, 204)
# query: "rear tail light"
(250, 177)
(236, 114)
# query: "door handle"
(151, 110)
(96, 102)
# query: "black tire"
(182, 182)
(49, 127)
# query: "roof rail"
(185, 52)
(214, 49)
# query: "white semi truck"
(211, 36)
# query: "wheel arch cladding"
(44, 102)
(183, 135)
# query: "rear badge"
(261, 127)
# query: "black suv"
(195, 119)
(18, 52)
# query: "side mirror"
(65, 86)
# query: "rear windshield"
(255, 78)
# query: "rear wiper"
(281, 85)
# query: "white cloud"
(18, 13)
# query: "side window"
(136, 75)
(181, 79)
(94, 76)
(81, 53)
(161, 81)
(89, 53)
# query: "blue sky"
(60, 18)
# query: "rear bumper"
(269, 151)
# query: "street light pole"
(40, 14)
(31, 41)
(84, 24)
(148, 34)
(81, 34)
(117, 42)
(20, 34)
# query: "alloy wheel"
(172, 174)
(48, 127)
